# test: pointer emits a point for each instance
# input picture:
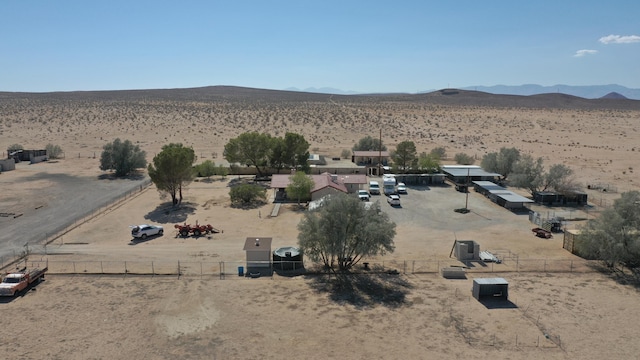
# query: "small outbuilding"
(496, 288)
(465, 250)
(258, 251)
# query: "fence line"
(223, 269)
(59, 231)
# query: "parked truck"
(13, 283)
(389, 185)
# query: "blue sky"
(363, 46)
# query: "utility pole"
(380, 153)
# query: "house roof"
(325, 180)
(280, 181)
(373, 153)
(257, 243)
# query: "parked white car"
(393, 200)
(363, 195)
(401, 188)
(145, 230)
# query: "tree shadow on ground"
(166, 213)
(134, 176)
(623, 276)
(364, 289)
(248, 206)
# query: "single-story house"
(324, 184)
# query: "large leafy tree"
(501, 162)
(560, 179)
(300, 186)
(429, 162)
(251, 149)
(528, 174)
(296, 153)
(405, 155)
(614, 237)
(123, 157)
(343, 231)
(368, 143)
(247, 194)
(172, 170)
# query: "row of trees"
(523, 171)
(262, 151)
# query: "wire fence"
(231, 269)
(38, 241)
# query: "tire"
(196, 232)
(160, 232)
(144, 236)
(184, 233)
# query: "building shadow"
(497, 303)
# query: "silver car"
(143, 231)
(393, 200)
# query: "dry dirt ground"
(563, 315)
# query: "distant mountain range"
(587, 92)
(324, 90)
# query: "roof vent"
(257, 242)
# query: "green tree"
(296, 151)
(343, 231)
(464, 159)
(15, 147)
(368, 143)
(206, 169)
(300, 186)
(405, 156)
(528, 174)
(123, 157)
(345, 154)
(440, 152)
(172, 170)
(223, 171)
(53, 151)
(429, 163)
(278, 154)
(251, 149)
(614, 237)
(247, 194)
(560, 179)
(501, 162)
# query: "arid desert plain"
(560, 306)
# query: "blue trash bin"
(240, 270)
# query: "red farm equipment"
(185, 229)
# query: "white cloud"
(619, 39)
(581, 53)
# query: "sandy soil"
(413, 315)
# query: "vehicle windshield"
(11, 280)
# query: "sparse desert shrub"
(247, 194)
(53, 151)
(464, 159)
(345, 154)
(15, 147)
